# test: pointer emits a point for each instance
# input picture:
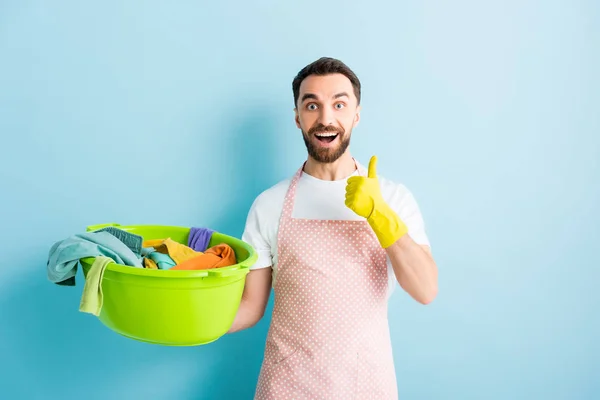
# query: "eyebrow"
(308, 96)
(314, 96)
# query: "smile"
(326, 137)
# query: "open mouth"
(326, 137)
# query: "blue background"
(179, 113)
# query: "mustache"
(322, 128)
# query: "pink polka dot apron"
(329, 334)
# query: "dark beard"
(324, 155)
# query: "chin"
(326, 156)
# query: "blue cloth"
(163, 261)
(64, 255)
(147, 250)
(134, 242)
(199, 238)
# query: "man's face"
(326, 112)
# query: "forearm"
(415, 269)
(246, 317)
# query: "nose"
(326, 116)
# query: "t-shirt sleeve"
(410, 212)
(254, 236)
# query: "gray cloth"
(134, 242)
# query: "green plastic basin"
(171, 307)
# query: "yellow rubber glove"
(363, 196)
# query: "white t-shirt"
(320, 199)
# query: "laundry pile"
(111, 244)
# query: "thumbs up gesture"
(363, 196)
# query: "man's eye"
(339, 106)
(312, 106)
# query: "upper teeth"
(326, 134)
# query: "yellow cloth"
(91, 299)
(363, 196)
(150, 264)
(177, 251)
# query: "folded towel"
(221, 255)
(199, 238)
(64, 255)
(91, 298)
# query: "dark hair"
(325, 66)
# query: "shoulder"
(403, 202)
(272, 198)
(263, 217)
(392, 189)
(398, 196)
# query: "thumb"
(373, 167)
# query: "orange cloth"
(221, 255)
(177, 251)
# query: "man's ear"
(297, 118)
(356, 117)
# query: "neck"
(339, 169)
